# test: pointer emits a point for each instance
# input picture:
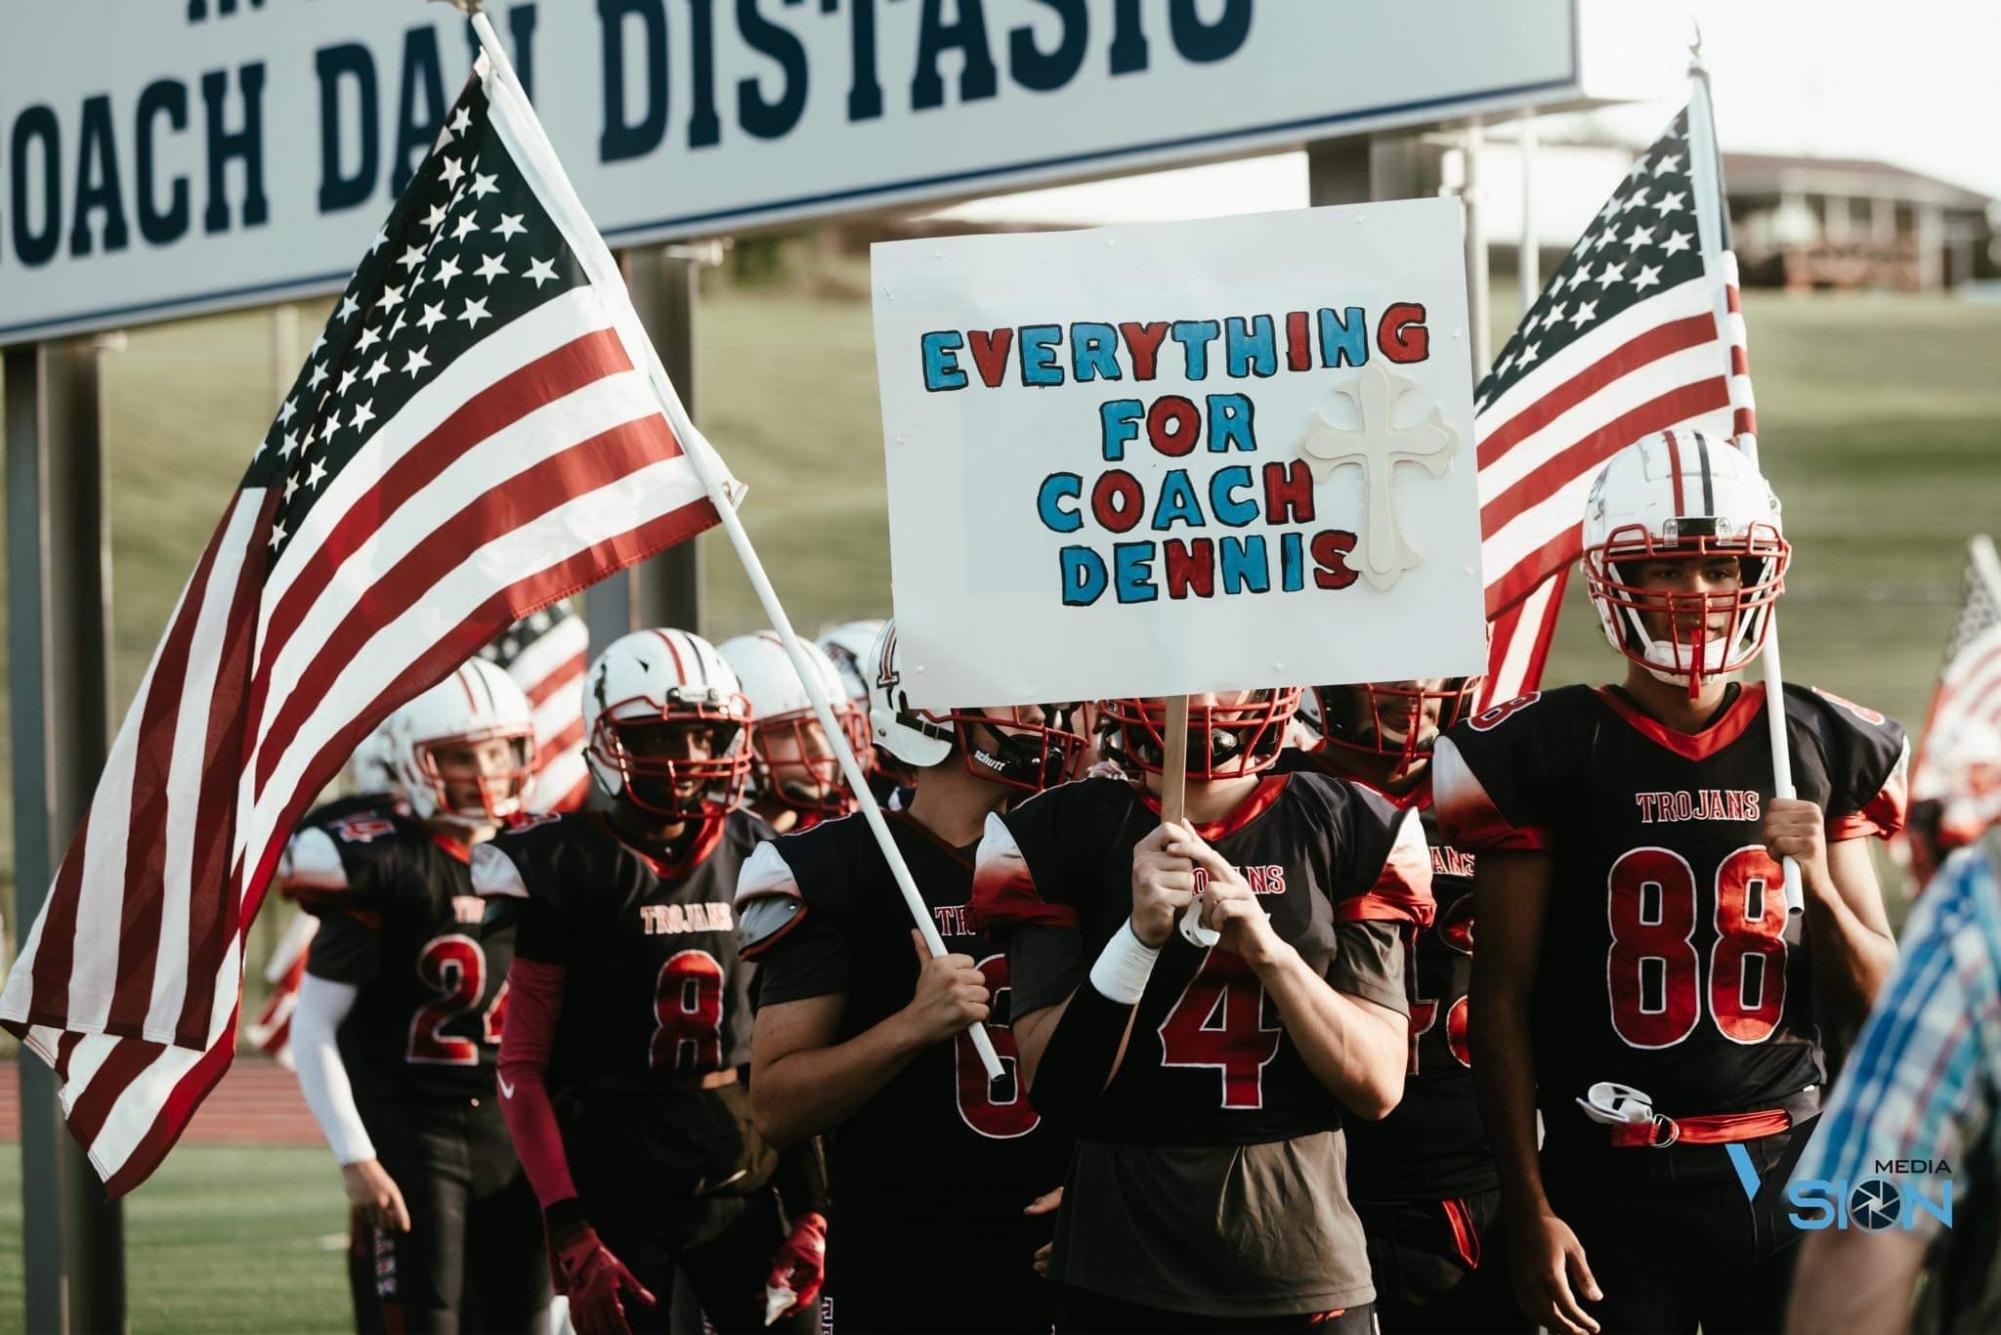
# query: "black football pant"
(724, 1245)
(1081, 1312)
(474, 1258)
(888, 1270)
(1441, 1266)
(1670, 1236)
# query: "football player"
(850, 647)
(1422, 1179)
(1640, 979)
(862, 1034)
(1211, 1080)
(628, 1017)
(795, 781)
(397, 1025)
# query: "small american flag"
(1638, 331)
(475, 435)
(1968, 695)
(546, 654)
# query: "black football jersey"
(400, 921)
(939, 1131)
(1343, 874)
(653, 990)
(1433, 1145)
(1665, 964)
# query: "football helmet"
(1016, 747)
(1398, 720)
(646, 699)
(791, 761)
(477, 703)
(851, 648)
(1230, 734)
(1680, 496)
(372, 767)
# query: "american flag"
(271, 1032)
(480, 430)
(546, 654)
(1638, 331)
(1968, 695)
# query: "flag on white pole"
(476, 434)
(1624, 341)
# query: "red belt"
(1715, 1129)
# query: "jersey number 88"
(1653, 970)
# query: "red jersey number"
(1219, 1022)
(454, 968)
(995, 1109)
(688, 1014)
(1653, 970)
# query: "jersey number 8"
(1653, 970)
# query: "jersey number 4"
(1219, 1021)
(453, 967)
(1653, 970)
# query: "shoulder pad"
(311, 864)
(768, 901)
(494, 873)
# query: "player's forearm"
(316, 1019)
(535, 1001)
(1359, 1058)
(1504, 1081)
(814, 1090)
(1854, 1280)
(1851, 958)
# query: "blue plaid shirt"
(1924, 1080)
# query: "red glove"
(588, 1275)
(801, 1263)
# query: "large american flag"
(1638, 331)
(480, 430)
(546, 654)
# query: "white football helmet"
(792, 762)
(1028, 747)
(644, 685)
(1680, 496)
(849, 647)
(372, 767)
(477, 703)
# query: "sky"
(1914, 83)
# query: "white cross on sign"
(1377, 447)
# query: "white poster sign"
(1181, 457)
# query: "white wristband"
(1123, 966)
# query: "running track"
(257, 1103)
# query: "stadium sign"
(1195, 456)
(178, 156)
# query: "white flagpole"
(1705, 171)
(700, 456)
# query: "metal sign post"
(665, 282)
(59, 683)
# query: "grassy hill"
(1880, 421)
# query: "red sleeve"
(1467, 816)
(1004, 890)
(1402, 890)
(534, 1001)
(1882, 815)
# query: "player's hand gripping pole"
(1174, 805)
(703, 460)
